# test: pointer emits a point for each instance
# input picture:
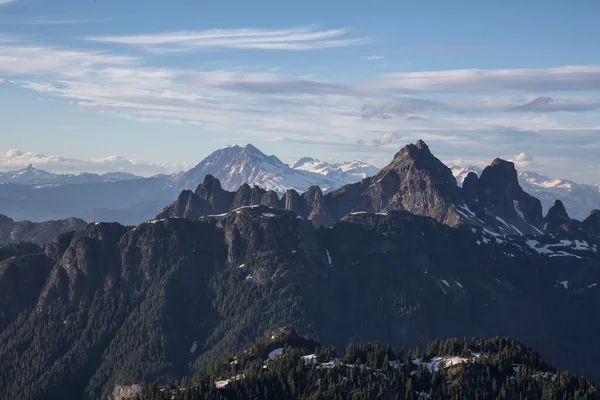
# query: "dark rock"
(556, 217)
(36, 232)
(469, 186)
(319, 212)
(499, 193)
(592, 223)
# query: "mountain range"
(403, 257)
(37, 195)
(34, 176)
(578, 198)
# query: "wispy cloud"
(372, 58)
(469, 111)
(5, 2)
(16, 159)
(305, 38)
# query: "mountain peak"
(499, 192)
(251, 148)
(303, 161)
(414, 150)
(500, 162)
(421, 145)
(557, 216)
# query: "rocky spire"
(418, 182)
(557, 216)
(499, 193)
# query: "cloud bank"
(473, 113)
(15, 159)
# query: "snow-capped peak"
(235, 165)
(348, 172)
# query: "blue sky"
(152, 86)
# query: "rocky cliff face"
(116, 306)
(498, 191)
(418, 182)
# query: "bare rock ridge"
(496, 199)
(39, 233)
(414, 181)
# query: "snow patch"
(275, 352)
(439, 362)
(329, 257)
(310, 359)
(194, 347)
(516, 229)
(564, 284)
(268, 215)
(545, 249)
(518, 209)
(446, 283)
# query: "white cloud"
(486, 117)
(523, 160)
(386, 138)
(567, 78)
(4, 2)
(305, 38)
(372, 58)
(16, 159)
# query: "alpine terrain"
(578, 198)
(37, 195)
(402, 258)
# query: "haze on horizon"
(161, 87)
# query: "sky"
(155, 86)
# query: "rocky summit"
(415, 181)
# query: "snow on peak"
(234, 166)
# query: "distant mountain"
(346, 172)
(40, 233)
(578, 198)
(34, 176)
(415, 181)
(128, 202)
(235, 166)
(36, 195)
